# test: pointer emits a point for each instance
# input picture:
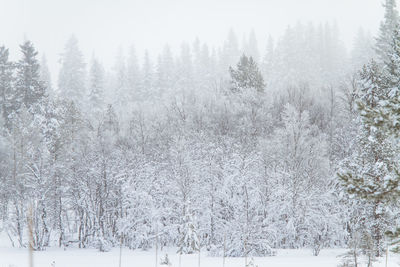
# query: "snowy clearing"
(14, 257)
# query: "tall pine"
(71, 80)
(371, 171)
(6, 82)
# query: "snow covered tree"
(121, 94)
(387, 33)
(133, 75)
(246, 76)
(370, 172)
(96, 86)
(268, 60)
(147, 78)
(45, 77)
(251, 47)
(229, 54)
(28, 84)
(363, 49)
(184, 69)
(165, 72)
(6, 86)
(373, 174)
(189, 242)
(72, 77)
(298, 160)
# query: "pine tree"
(6, 85)
(147, 77)
(251, 47)
(165, 71)
(268, 61)
(29, 86)
(363, 49)
(230, 52)
(120, 82)
(133, 75)
(71, 80)
(385, 117)
(369, 173)
(184, 68)
(384, 42)
(45, 76)
(96, 87)
(246, 76)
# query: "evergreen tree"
(230, 52)
(71, 80)
(251, 47)
(133, 75)
(6, 85)
(363, 49)
(147, 77)
(385, 116)
(29, 86)
(165, 71)
(184, 69)
(246, 76)
(96, 86)
(45, 76)
(268, 61)
(120, 82)
(384, 42)
(369, 173)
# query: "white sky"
(102, 26)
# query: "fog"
(252, 127)
(102, 26)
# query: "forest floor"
(73, 257)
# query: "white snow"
(74, 257)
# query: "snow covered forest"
(234, 149)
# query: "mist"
(190, 133)
(103, 27)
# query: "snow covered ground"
(14, 257)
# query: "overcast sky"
(101, 26)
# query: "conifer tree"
(147, 77)
(45, 76)
(246, 76)
(384, 42)
(385, 116)
(71, 80)
(6, 82)
(29, 87)
(370, 173)
(133, 75)
(251, 47)
(96, 87)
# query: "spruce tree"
(29, 86)
(386, 116)
(147, 77)
(246, 76)
(133, 75)
(384, 42)
(369, 173)
(45, 76)
(251, 46)
(96, 87)
(71, 80)
(6, 82)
